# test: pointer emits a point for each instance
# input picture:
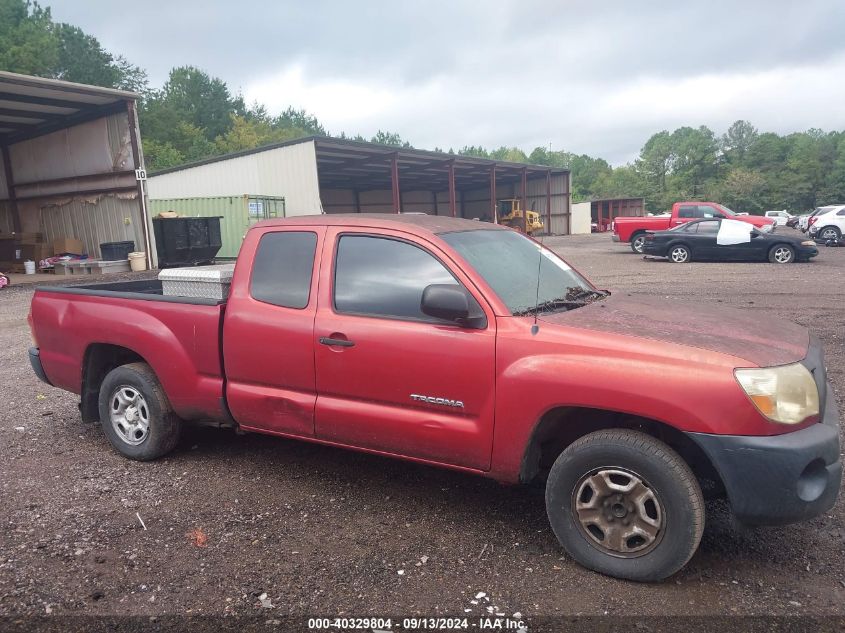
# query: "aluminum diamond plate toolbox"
(210, 282)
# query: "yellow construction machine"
(511, 214)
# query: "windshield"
(509, 262)
(726, 210)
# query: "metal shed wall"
(4, 189)
(381, 201)
(477, 201)
(6, 223)
(56, 173)
(93, 220)
(561, 192)
(289, 172)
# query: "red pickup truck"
(633, 229)
(469, 346)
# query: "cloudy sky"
(588, 77)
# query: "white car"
(804, 222)
(780, 217)
(829, 225)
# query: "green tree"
(300, 120)
(654, 165)
(472, 150)
(620, 182)
(161, 155)
(191, 95)
(251, 132)
(82, 59)
(695, 153)
(27, 42)
(389, 138)
(509, 154)
(741, 190)
(736, 142)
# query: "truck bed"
(179, 337)
(145, 290)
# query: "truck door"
(268, 331)
(390, 378)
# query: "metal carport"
(364, 177)
(69, 155)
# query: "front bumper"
(806, 252)
(779, 479)
(37, 367)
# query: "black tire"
(680, 254)
(829, 233)
(151, 409)
(781, 254)
(675, 491)
(637, 243)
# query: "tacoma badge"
(432, 400)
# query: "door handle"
(340, 342)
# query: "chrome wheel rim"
(639, 242)
(783, 255)
(618, 512)
(130, 415)
(679, 255)
(828, 234)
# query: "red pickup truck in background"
(469, 346)
(633, 229)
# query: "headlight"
(808, 243)
(785, 394)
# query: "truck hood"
(751, 336)
(756, 220)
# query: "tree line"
(195, 115)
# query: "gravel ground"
(228, 518)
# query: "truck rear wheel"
(135, 413)
(624, 504)
(637, 243)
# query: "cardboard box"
(70, 245)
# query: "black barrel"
(186, 241)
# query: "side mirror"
(451, 303)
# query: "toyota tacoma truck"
(633, 229)
(468, 346)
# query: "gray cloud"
(587, 77)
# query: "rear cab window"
(283, 267)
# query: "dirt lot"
(327, 532)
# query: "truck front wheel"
(625, 504)
(135, 413)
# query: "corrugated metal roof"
(337, 149)
(32, 106)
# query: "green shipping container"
(238, 214)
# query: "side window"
(687, 212)
(710, 227)
(281, 271)
(708, 212)
(384, 277)
(840, 212)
